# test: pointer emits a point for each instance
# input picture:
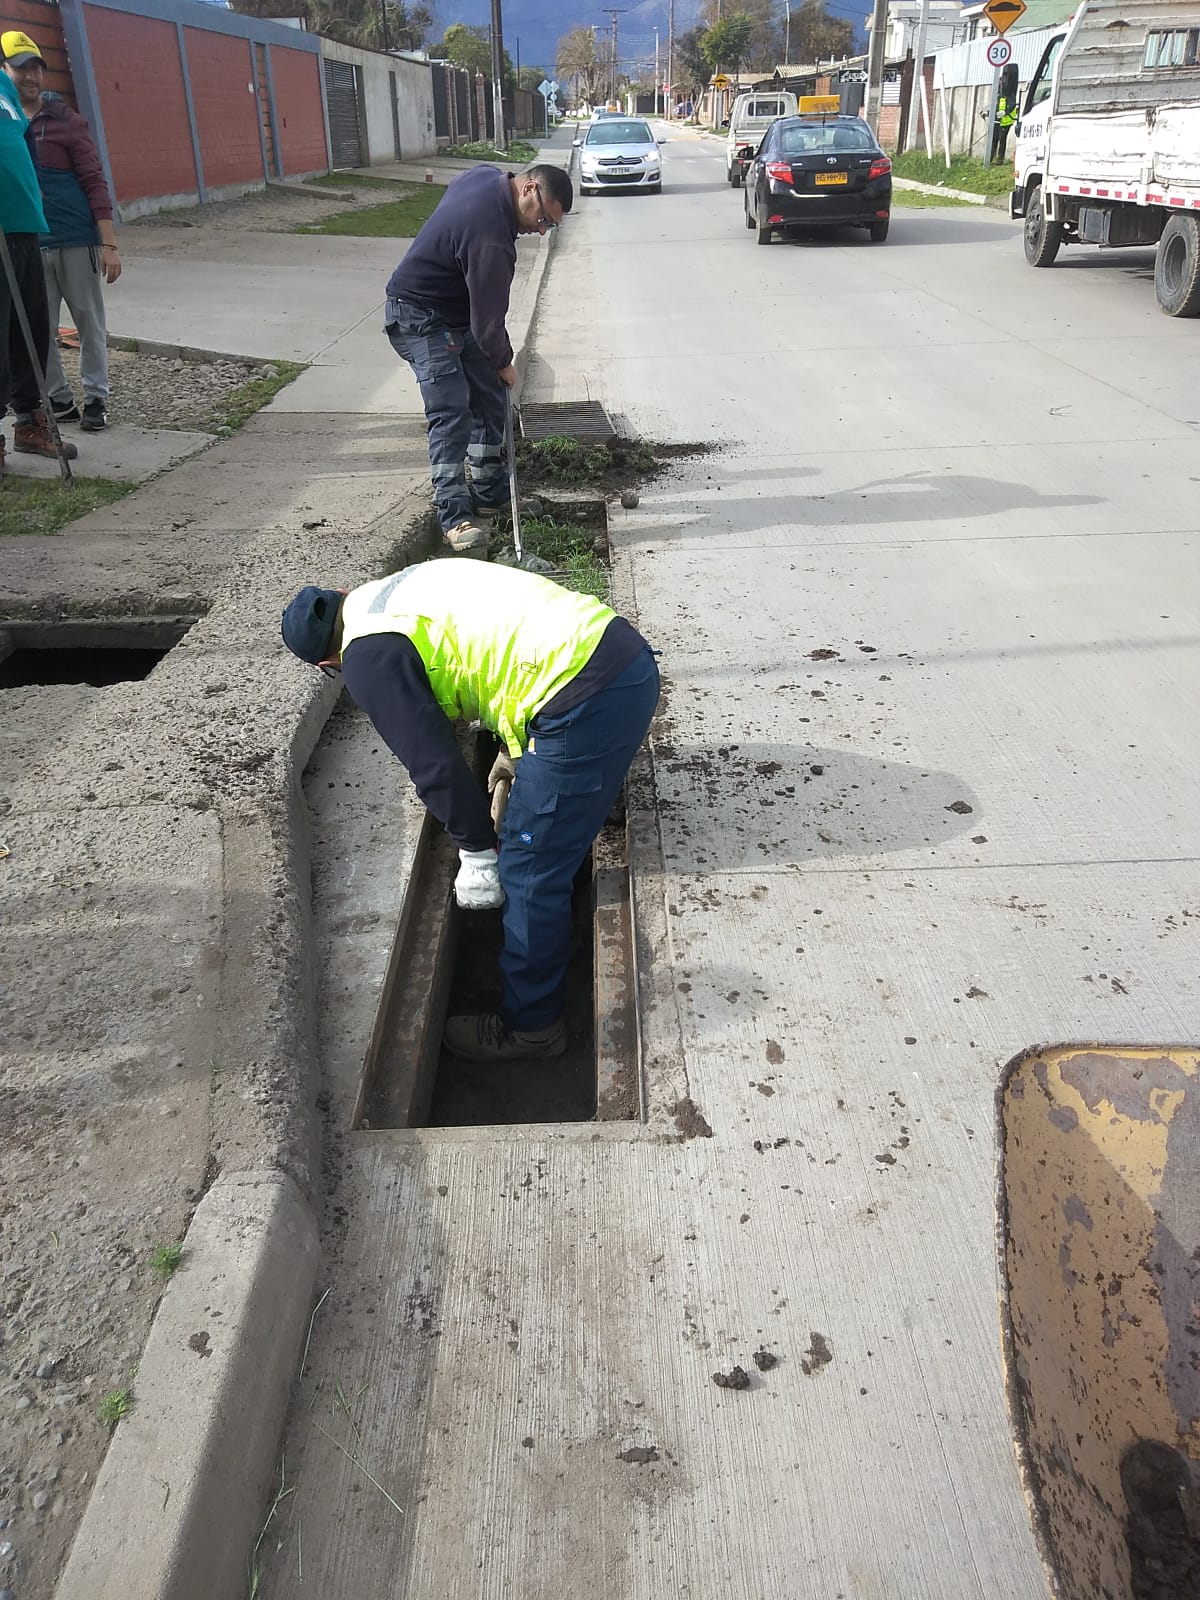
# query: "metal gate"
(345, 122)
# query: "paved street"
(924, 778)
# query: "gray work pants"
(74, 275)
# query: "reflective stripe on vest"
(496, 643)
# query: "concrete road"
(924, 780)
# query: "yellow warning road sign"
(722, 82)
(1003, 13)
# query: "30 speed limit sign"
(999, 52)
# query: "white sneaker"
(467, 539)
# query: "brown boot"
(35, 439)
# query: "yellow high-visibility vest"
(497, 643)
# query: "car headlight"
(653, 159)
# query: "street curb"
(180, 1497)
(939, 188)
(188, 352)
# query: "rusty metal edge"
(1031, 1483)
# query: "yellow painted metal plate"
(1099, 1235)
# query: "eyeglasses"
(544, 221)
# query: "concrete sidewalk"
(156, 896)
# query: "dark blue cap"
(309, 621)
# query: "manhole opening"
(99, 654)
(445, 961)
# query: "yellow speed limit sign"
(720, 81)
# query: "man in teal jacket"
(23, 223)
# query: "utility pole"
(656, 72)
(498, 75)
(614, 12)
(917, 99)
(787, 31)
(669, 95)
(387, 43)
(875, 64)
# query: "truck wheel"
(735, 175)
(1042, 237)
(1177, 267)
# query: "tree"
(764, 48)
(468, 47)
(692, 69)
(818, 36)
(576, 59)
(724, 45)
(357, 22)
(530, 77)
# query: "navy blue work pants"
(464, 405)
(566, 783)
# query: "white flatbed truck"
(1108, 143)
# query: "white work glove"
(477, 886)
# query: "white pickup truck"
(750, 118)
(1108, 143)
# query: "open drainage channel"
(444, 961)
(98, 653)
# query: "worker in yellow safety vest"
(566, 685)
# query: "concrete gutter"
(182, 1492)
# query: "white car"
(619, 153)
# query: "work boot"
(467, 539)
(526, 505)
(35, 439)
(486, 1037)
(94, 416)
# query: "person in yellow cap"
(22, 222)
(79, 252)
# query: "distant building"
(945, 26)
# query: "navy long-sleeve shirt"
(384, 674)
(461, 263)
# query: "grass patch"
(356, 180)
(565, 461)
(165, 1259)
(397, 219)
(41, 506)
(964, 172)
(567, 546)
(117, 1403)
(912, 200)
(240, 404)
(484, 150)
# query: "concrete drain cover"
(586, 421)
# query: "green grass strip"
(484, 150)
(913, 200)
(42, 506)
(397, 219)
(964, 172)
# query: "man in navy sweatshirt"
(446, 305)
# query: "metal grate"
(586, 421)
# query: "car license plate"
(617, 172)
(831, 178)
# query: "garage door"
(345, 129)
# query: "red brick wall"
(226, 111)
(42, 23)
(296, 76)
(139, 84)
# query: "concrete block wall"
(222, 73)
(139, 83)
(299, 114)
(414, 101)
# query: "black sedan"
(819, 172)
